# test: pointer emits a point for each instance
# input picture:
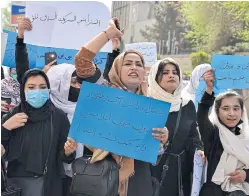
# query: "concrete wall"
(183, 60)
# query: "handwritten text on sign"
(118, 121)
(68, 56)
(37, 54)
(147, 49)
(68, 24)
(231, 71)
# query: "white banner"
(147, 49)
(67, 25)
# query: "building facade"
(133, 16)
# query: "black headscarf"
(30, 143)
(2, 73)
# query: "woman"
(10, 92)
(127, 73)
(65, 82)
(26, 134)
(225, 134)
(165, 84)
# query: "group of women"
(48, 103)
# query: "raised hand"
(16, 121)
(24, 24)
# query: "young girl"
(225, 134)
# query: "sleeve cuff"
(19, 41)
(207, 98)
(5, 133)
(86, 54)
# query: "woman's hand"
(202, 155)
(112, 31)
(70, 146)
(2, 150)
(161, 134)
(238, 176)
(48, 66)
(4, 106)
(209, 79)
(115, 43)
(24, 24)
(16, 121)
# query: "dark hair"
(27, 75)
(225, 95)
(161, 67)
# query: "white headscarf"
(156, 92)
(193, 84)
(235, 155)
(60, 80)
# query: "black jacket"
(53, 179)
(210, 136)
(188, 139)
(110, 58)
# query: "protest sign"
(4, 38)
(118, 121)
(17, 13)
(231, 71)
(198, 175)
(37, 54)
(147, 49)
(67, 56)
(9, 56)
(68, 25)
(201, 90)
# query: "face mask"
(37, 98)
(73, 94)
(14, 76)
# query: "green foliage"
(213, 25)
(240, 13)
(158, 56)
(6, 19)
(187, 74)
(198, 58)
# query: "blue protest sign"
(231, 71)
(9, 56)
(118, 121)
(37, 54)
(67, 56)
(63, 55)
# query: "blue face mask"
(37, 98)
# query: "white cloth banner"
(67, 25)
(147, 49)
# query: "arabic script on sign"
(119, 121)
(231, 71)
(67, 25)
(147, 49)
